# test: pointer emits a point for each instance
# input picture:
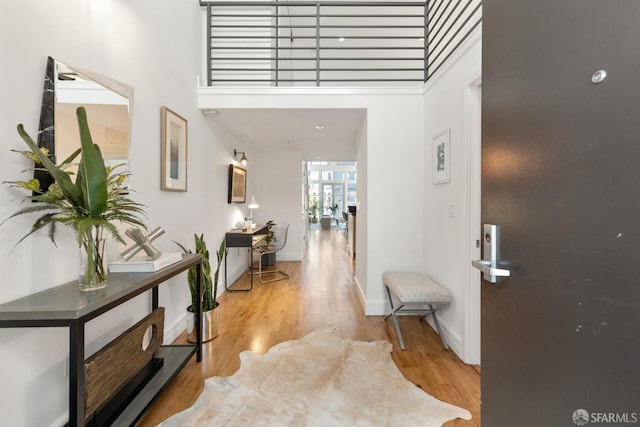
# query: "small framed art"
(440, 154)
(237, 184)
(174, 151)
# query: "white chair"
(280, 231)
(415, 290)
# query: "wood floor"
(320, 292)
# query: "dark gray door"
(561, 178)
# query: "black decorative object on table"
(46, 130)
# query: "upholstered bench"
(415, 290)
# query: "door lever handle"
(491, 251)
(489, 269)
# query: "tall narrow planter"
(267, 259)
(210, 320)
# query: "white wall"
(142, 43)
(445, 236)
(277, 181)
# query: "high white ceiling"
(294, 130)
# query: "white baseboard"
(361, 297)
(453, 339)
(62, 420)
(289, 256)
(377, 308)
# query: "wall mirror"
(108, 103)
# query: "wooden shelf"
(175, 358)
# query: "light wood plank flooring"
(320, 292)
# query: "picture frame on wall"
(441, 163)
(174, 151)
(237, 184)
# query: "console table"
(67, 306)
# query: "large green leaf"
(92, 175)
(97, 197)
(73, 194)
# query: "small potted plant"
(269, 259)
(334, 213)
(334, 210)
(314, 205)
(209, 303)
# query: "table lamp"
(252, 205)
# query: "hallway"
(320, 293)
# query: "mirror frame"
(46, 129)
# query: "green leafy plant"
(209, 285)
(314, 205)
(96, 198)
(270, 233)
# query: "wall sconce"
(243, 159)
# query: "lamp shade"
(253, 204)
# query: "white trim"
(205, 92)
(470, 343)
(361, 297)
(376, 308)
(289, 256)
(453, 339)
(62, 420)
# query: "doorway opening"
(331, 194)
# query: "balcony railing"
(333, 43)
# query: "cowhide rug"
(319, 380)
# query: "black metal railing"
(302, 43)
(450, 23)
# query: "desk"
(243, 238)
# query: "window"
(332, 183)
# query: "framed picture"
(237, 184)
(174, 151)
(440, 154)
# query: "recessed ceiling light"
(319, 127)
(340, 39)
